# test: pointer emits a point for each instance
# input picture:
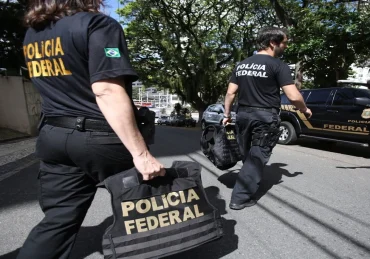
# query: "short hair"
(268, 34)
(42, 12)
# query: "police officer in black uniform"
(258, 80)
(77, 58)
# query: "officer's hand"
(308, 113)
(148, 166)
(226, 121)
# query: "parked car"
(162, 120)
(340, 114)
(214, 114)
(177, 120)
(190, 122)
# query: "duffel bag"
(221, 147)
(160, 217)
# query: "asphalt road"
(314, 203)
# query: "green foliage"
(188, 46)
(12, 33)
(326, 38)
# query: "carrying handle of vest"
(132, 177)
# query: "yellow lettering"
(152, 222)
(182, 196)
(44, 68)
(197, 213)
(326, 126)
(337, 127)
(188, 214)
(42, 49)
(29, 66)
(48, 48)
(176, 201)
(140, 225)
(64, 70)
(359, 129)
(52, 47)
(57, 68)
(344, 127)
(155, 205)
(36, 69)
(351, 128)
(30, 51)
(365, 130)
(165, 203)
(25, 51)
(58, 47)
(163, 220)
(174, 216)
(49, 66)
(192, 195)
(128, 226)
(126, 207)
(146, 204)
(37, 53)
(331, 126)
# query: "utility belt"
(79, 123)
(144, 118)
(246, 108)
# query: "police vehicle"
(340, 114)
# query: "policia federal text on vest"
(160, 217)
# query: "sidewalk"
(9, 135)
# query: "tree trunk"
(298, 75)
(200, 111)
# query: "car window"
(344, 97)
(318, 96)
(216, 109)
(284, 99)
(362, 93)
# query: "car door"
(346, 120)
(317, 100)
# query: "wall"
(20, 105)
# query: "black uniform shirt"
(65, 58)
(259, 79)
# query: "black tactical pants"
(250, 121)
(72, 163)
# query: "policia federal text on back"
(78, 60)
(258, 80)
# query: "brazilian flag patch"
(112, 53)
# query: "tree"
(328, 36)
(11, 35)
(188, 46)
(178, 108)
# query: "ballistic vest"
(219, 144)
(159, 217)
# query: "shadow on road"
(89, 239)
(272, 175)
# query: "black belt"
(79, 123)
(244, 107)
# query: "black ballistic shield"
(160, 217)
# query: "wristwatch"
(227, 116)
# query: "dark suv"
(340, 114)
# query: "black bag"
(160, 217)
(146, 124)
(222, 147)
